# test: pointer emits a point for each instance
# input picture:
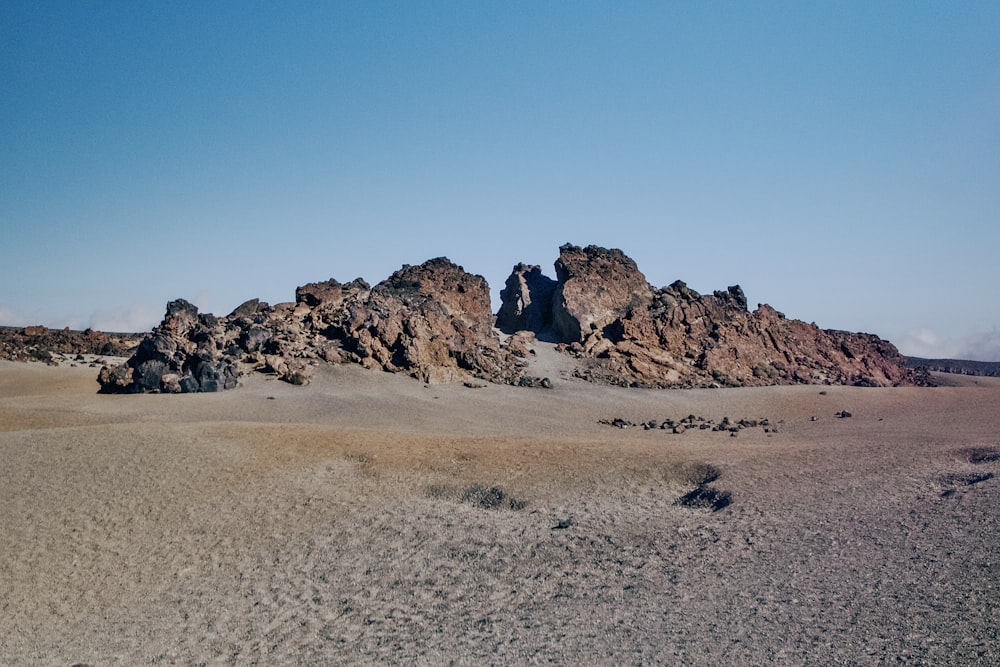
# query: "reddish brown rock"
(626, 332)
(596, 289)
(330, 292)
(433, 321)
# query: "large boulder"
(596, 289)
(329, 292)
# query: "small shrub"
(491, 498)
(979, 455)
(440, 491)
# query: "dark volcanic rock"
(526, 300)
(182, 354)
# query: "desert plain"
(368, 518)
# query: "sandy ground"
(344, 523)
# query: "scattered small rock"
(694, 422)
(952, 480)
(617, 422)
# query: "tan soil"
(328, 524)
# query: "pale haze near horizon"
(838, 161)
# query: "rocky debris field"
(695, 423)
(48, 345)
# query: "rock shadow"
(705, 497)
(980, 455)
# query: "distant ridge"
(38, 343)
(957, 366)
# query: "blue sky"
(839, 160)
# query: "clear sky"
(839, 160)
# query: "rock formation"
(627, 332)
(433, 321)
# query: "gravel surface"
(370, 519)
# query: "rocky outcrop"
(431, 321)
(626, 332)
(38, 343)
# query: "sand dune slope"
(369, 519)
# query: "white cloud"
(13, 318)
(982, 346)
(132, 320)
(9, 318)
